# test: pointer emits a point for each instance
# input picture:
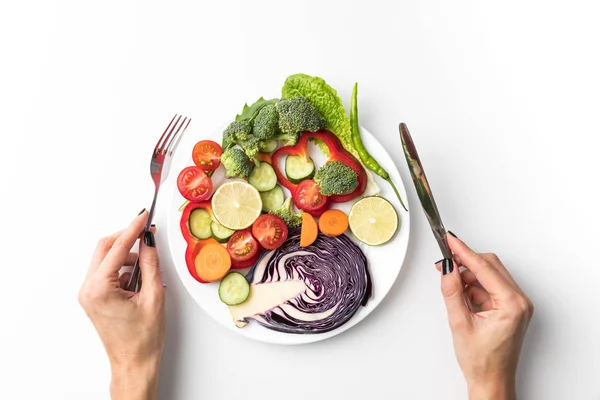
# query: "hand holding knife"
(423, 190)
(426, 197)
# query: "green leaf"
(250, 112)
(321, 145)
(326, 100)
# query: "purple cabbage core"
(334, 270)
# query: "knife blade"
(424, 190)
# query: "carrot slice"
(193, 247)
(309, 231)
(333, 222)
(212, 262)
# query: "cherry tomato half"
(194, 184)
(242, 246)
(308, 196)
(207, 154)
(270, 231)
(247, 263)
(319, 211)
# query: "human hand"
(130, 325)
(487, 343)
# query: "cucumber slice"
(200, 223)
(297, 169)
(269, 146)
(234, 289)
(273, 199)
(263, 177)
(220, 233)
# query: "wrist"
(494, 389)
(133, 381)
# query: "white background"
(502, 99)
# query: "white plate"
(384, 261)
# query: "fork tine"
(167, 143)
(176, 139)
(163, 135)
(162, 146)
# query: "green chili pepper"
(366, 158)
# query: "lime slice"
(236, 204)
(373, 220)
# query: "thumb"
(452, 291)
(149, 262)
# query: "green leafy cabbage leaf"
(326, 100)
(321, 145)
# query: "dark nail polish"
(437, 262)
(450, 232)
(153, 226)
(149, 239)
(447, 266)
(140, 213)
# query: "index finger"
(489, 278)
(102, 248)
(119, 251)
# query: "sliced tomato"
(242, 246)
(270, 231)
(319, 211)
(308, 197)
(247, 263)
(207, 154)
(194, 184)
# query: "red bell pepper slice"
(185, 217)
(192, 250)
(193, 243)
(337, 153)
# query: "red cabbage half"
(330, 278)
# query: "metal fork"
(159, 170)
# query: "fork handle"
(134, 280)
(133, 285)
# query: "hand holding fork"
(160, 164)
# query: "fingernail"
(140, 213)
(149, 239)
(153, 226)
(450, 232)
(437, 262)
(447, 266)
(164, 284)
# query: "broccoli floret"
(266, 126)
(287, 214)
(251, 147)
(266, 122)
(288, 139)
(240, 133)
(335, 177)
(236, 163)
(236, 132)
(298, 115)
